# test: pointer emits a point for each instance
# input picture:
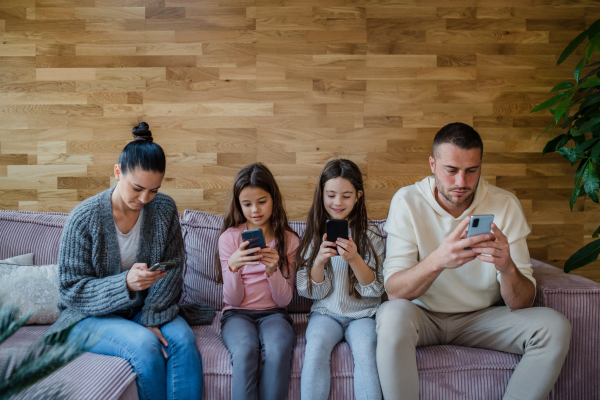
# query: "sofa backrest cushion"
(201, 236)
(24, 232)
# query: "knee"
(557, 328)
(146, 348)
(244, 352)
(181, 339)
(395, 321)
(280, 348)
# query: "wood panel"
(292, 83)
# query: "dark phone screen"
(337, 228)
(255, 237)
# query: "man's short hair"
(460, 135)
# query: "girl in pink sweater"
(257, 286)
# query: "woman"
(107, 288)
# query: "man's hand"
(495, 251)
(452, 253)
(140, 278)
(161, 338)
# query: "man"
(443, 293)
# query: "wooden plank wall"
(292, 83)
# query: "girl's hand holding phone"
(242, 257)
(140, 278)
(347, 249)
(270, 259)
(326, 251)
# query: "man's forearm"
(517, 291)
(412, 283)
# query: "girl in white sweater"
(344, 278)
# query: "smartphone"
(479, 225)
(163, 266)
(255, 237)
(336, 228)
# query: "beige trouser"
(540, 334)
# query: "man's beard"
(445, 194)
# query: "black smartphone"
(163, 266)
(336, 228)
(479, 225)
(255, 237)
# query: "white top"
(416, 226)
(333, 294)
(129, 243)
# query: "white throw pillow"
(25, 259)
(32, 288)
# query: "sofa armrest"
(578, 299)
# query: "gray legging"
(250, 334)
(322, 334)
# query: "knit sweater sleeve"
(80, 287)
(375, 288)
(160, 306)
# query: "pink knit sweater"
(250, 287)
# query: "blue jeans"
(179, 376)
(322, 335)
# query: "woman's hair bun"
(142, 132)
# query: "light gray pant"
(259, 338)
(322, 334)
(540, 334)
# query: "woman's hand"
(242, 257)
(140, 278)
(347, 249)
(270, 259)
(326, 251)
(161, 338)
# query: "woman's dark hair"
(258, 176)
(142, 152)
(318, 216)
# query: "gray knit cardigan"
(91, 282)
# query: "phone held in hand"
(336, 228)
(479, 225)
(255, 237)
(163, 266)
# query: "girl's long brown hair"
(258, 176)
(318, 216)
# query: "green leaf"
(571, 47)
(586, 127)
(562, 86)
(578, 69)
(595, 81)
(570, 154)
(556, 143)
(593, 30)
(577, 184)
(560, 110)
(590, 101)
(590, 51)
(575, 132)
(585, 145)
(596, 152)
(548, 103)
(596, 233)
(583, 256)
(591, 181)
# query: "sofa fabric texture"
(445, 372)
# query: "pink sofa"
(446, 372)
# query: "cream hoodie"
(417, 225)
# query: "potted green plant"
(576, 111)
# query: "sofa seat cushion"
(88, 377)
(448, 366)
